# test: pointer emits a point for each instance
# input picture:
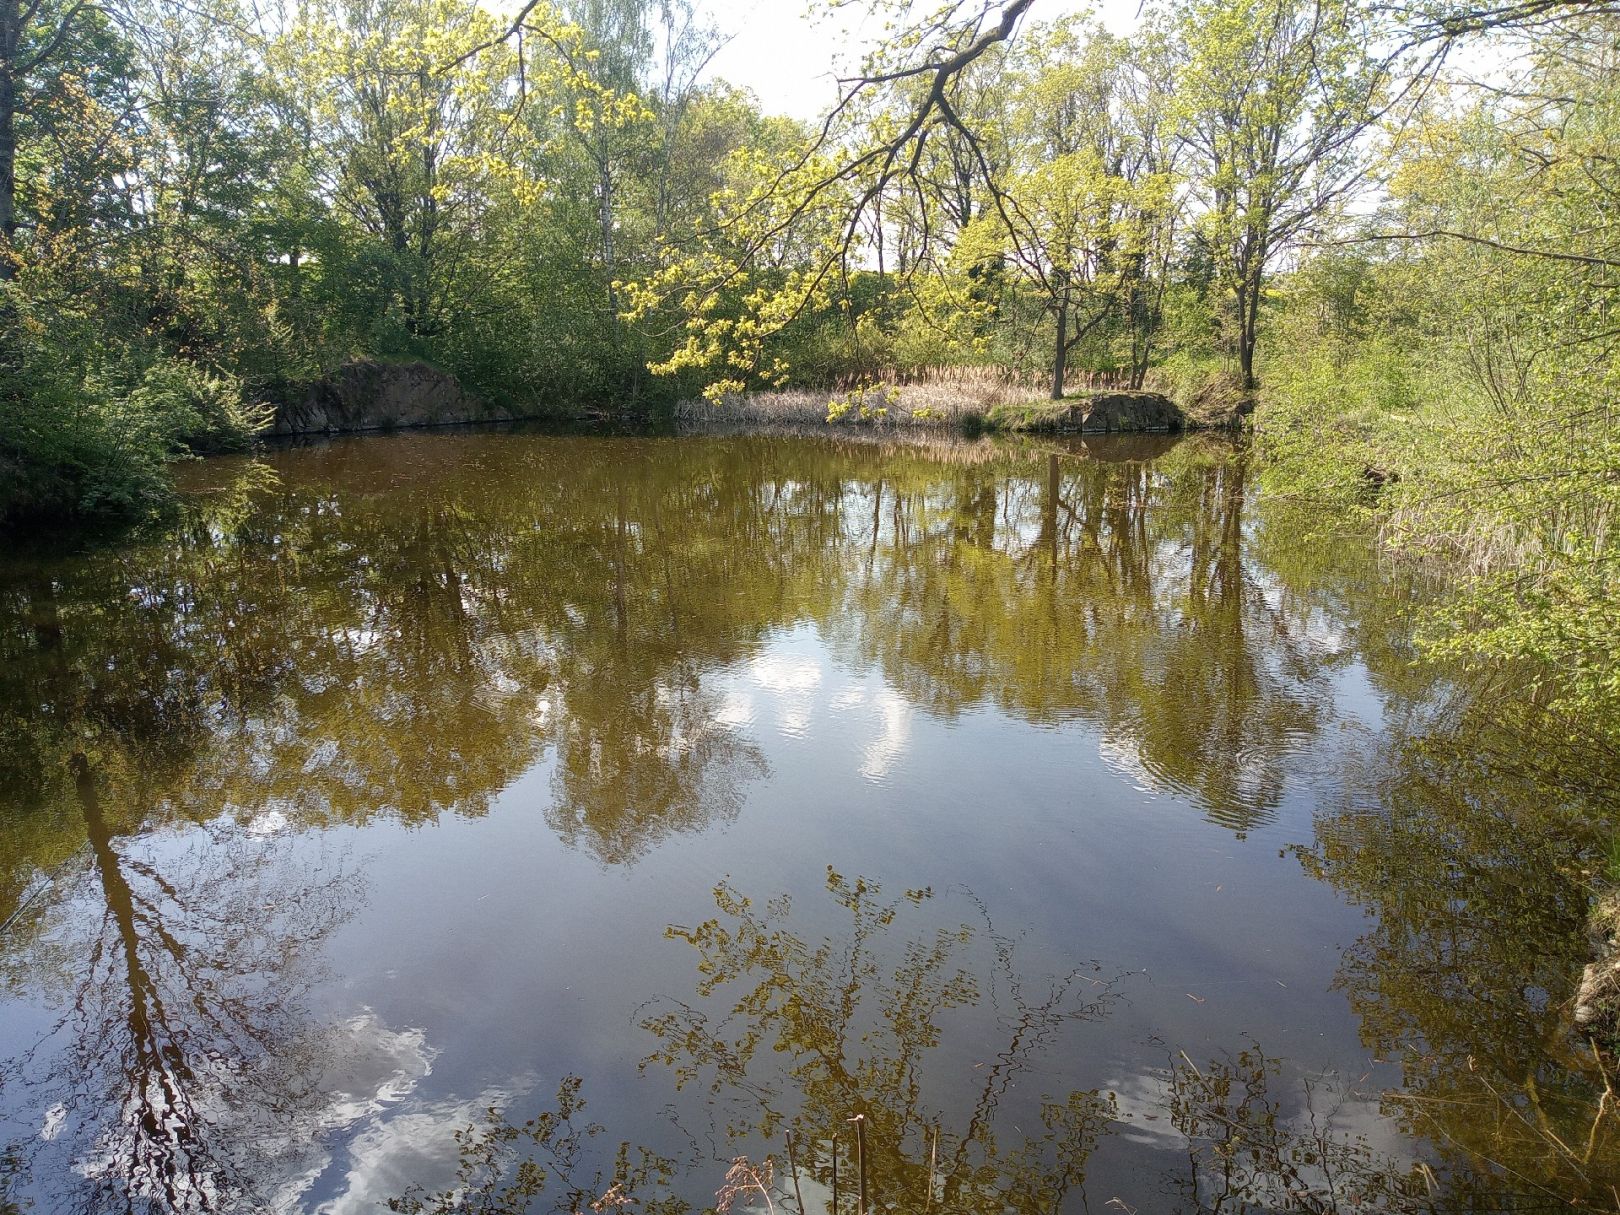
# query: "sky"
(787, 59)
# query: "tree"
(821, 196)
(1273, 101)
(620, 114)
(414, 136)
(29, 37)
(1477, 380)
(1088, 206)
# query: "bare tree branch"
(1474, 239)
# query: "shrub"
(195, 411)
(76, 441)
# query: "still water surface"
(418, 805)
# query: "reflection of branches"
(1468, 970)
(744, 1178)
(1247, 1145)
(418, 656)
(1122, 593)
(856, 1018)
(636, 764)
(1245, 1154)
(505, 1168)
(182, 1019)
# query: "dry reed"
(925, 396)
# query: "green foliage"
(64, 446)
(1205, 387)
(1032, 415)
(196, 411)
(78, 454)
(216, 207)
(1462, 387)
(1270, 104)
(88, 427)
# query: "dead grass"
(937, 443)
(929, 396)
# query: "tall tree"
(1088, 205)
(1274, 98)
(413, 108)
(822, 197)
(34, 35)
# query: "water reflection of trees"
(405, 627)
(1470, 832)
(800, 1023)
(820, 1031)
(551, 1162)
(1477, 875)
(1252, 1148)
(1118, 593)
(180, 1074)
(1239, 1146)
(816, 1032)
(793, 1033)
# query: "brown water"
(419, 805)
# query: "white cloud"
(893, 734)
(419, 1148)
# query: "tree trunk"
(605, 217)
(1248, 301)
(1141, 318)
(10, 38)
(1060, 353)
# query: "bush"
(75, 442)
(1204, 387)
(195, 411)
(76, 453)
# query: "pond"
(1026, 827)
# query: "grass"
(1030, 415)
(940, 397)
(1072, 413)
(972, 399)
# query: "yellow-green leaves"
(1271, 104)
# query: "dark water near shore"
(1068, 812)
